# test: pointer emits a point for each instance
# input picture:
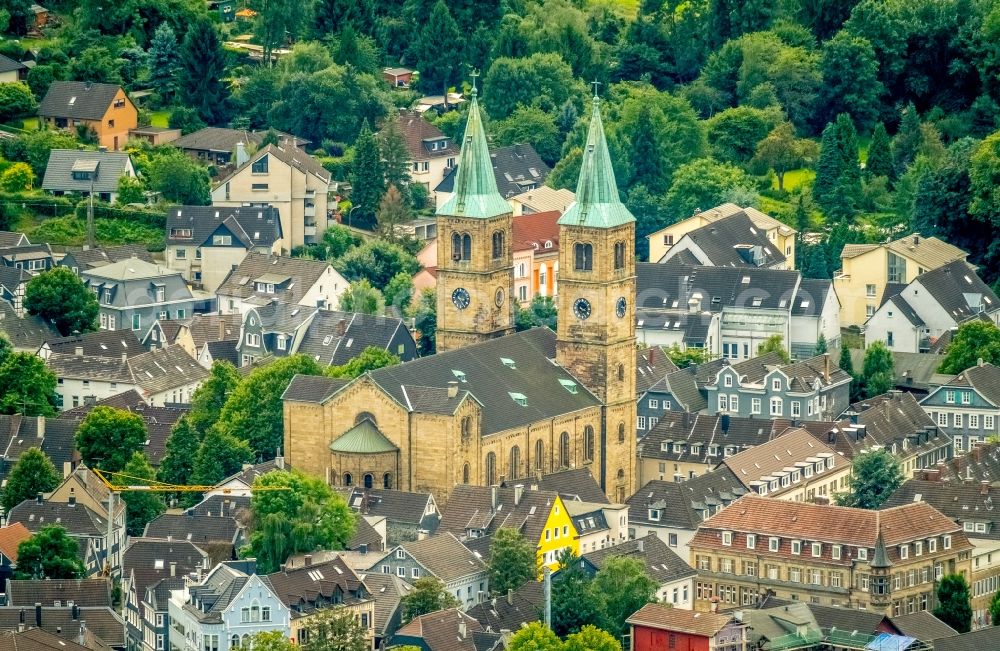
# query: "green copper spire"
(597, 203)
(476, 193)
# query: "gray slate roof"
(683, 385)
(78, 519)
(445, 557)
(388, 590)
(681, 504)
(82, 592)
(58, 172)
(984, 379)
(949, 285)
(960, 501)
(923, 625)
(517, 169)
(303, 274)
(662, 564)
(719, 241)
(673, 284)
(322, 342)
(217, 139)
(79, 100)
(101, 256)
(511, 611)
(10, 65)
(984, 638)
(154, 371)
(103, 343)
(573, 484)
(252, 226)
(12, 238)
(27, 333)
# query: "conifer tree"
(367, 175)
(906, 142)
(203, 65)
(828, 166)
(439, 66)
(164, 63)
(141, 506)
(879, 161)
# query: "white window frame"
(751, 541)
(773, 544)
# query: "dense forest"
(850, 120)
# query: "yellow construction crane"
(154, 486)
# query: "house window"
(253, 340)
(180, 254)
(949, 397)
(947, 542)
(107, 296)
(817, 549)
(583, 256)
(727, 538)
(870, 291)
(755, 405)
(796, 547)
(654, 403)
(640, 421)
(869, 311)
(222, 240)
(942, 419)
(727, 381)
(966, 398)
(862, 553)
(973, 421)
(751, 541)
(988, 422)
(282, 342)
(415, 573)
(136, 321)
(776, 407)
(265, 614)
(734, 404)
(160, 294)
(835, 552)
(723, 402)
(773, 543)
(796, 409)
(259, 166)
(258, 187)
(776, 384)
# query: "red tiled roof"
(415, 130)
(12, 536)
(536, 229)
(665, 618)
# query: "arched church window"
(621, 432)
(491, 469)
(621, 372)
(588, 443)
(466, 246)
(583, 256)
(515, 462)
(387, 480)
(564, 450)
(539, 455)
(369, 480)
(365, 415)
(465, 474)
(348, 480)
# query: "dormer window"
(654, 515)
(776, 384)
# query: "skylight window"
(569, 385)
(519, 398)
(508, 362)
(459, 375)
(757, 300)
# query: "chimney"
(241, 153)
(308, 560)
(510, 596)
(173, 568)
(984, 487)
(222, 329)
(494, 498)
(38, 614)
(518, 493)
(78, 351)
(640, 545)
(649, 356)
(40, 424)
(714, 605)
(341, 327)
(124, 356)
(452, 389)
(279, 460)
(826, 367)
(979, 362)
(83, 633)
(461, 627)
(977, 453)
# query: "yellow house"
(540, 516)
(782, 236)
(866, 269)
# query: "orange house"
(104, 108)
(536, 255)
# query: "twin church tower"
(596, 272)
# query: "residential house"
(10, 539)
(672, 511)
(652, 366)
(155, 136)
(981, 463)
(440, 103)
(330, 337)
(672, 574)
(97, 628)
(19, 434)
(912, 317)
(206, 337)
(733, 241)
(442, 556)
(103, 343)
(536, 255)
(36, 639)
(262, 279)
(246, 477)
(310, 590)
(540, 516)
(676, 391)
(598, 525)
(79, 172)
(431, 153)
(811, 389)
(104, 109)
(781, 236)
(886, 561)
(224, 147)
(795, 466)
(517, 169)
(970, 505)
(286, 178)
(146, 562)
(84, 259)
(222, 612)
(730, 311)
(984, 638)
(33, 258)
(867, 270)
(213, 525)
(9, 239)
(512, 611)
(542, 199)
(26, 333)
(895, 421)
(408, 516)
(160, 376)
(205, 243)
(11, 70)
(388, 591)
(660, 626)
(572, 485)
(398, 77)
(446, 630)
(134, 293)
(968, 405)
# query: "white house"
(262, 279)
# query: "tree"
(543, 80)
(974, 341)
(32, 474)
(393, 211)
(687, 357)
(954, 603)
(141, 506)
(6, 349)
(18, 177)
(878, 371)
(58, 295)
(210, 397)
(130, 190)
(427, 596)
(705, 183)
(906, 142)
(774, 344)
(164, 63)
(107, 437)
(735, 132)
(425, 321)
(29, 386)
(399, 292)
(574, 601)
(531, 125)
(541, 311)
(780, 151)
(850, 79)
(186, 119)
(335, 629)
(995, 609)
(34, 147)
(276, 22)
(845, 362)
(336, 241)
(177, 466)
(984, 174)
(625, 587)
(371, 358)
(307, 517)
(49, 554)
(255, 410)
(15, 100)
(361, 297)
(820, 345)
(591, 638)
(828, 165)
(512, 561)
(269, 641)
(875, 476)
(395, 157)
(367, 174)
(879, 161)
(201, 73)
(179, 179)
(535, 637)
(377, 261)
(439, 67)
(219, 455)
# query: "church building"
(494, 405)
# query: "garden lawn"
(159, 119)
(795, 178)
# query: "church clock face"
(582, 309)
(620, 307)
(499, 298)
(460, 297)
